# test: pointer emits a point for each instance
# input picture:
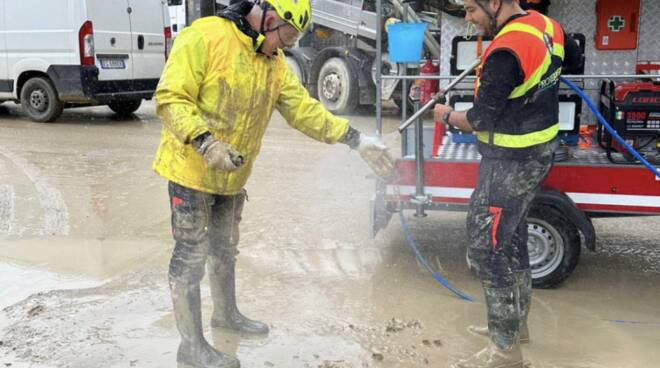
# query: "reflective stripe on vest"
(520, 140)
(532, 80)
(558, 50)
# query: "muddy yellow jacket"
(214, 81)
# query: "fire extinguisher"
(428, 87)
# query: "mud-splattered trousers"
(497, 233)
(205, 227)
(497, 217)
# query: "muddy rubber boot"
(503, 350)
(493, 357)
(194, 350)
(222, 276)
(524, 284)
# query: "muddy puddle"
(97, 294)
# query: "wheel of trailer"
(554, 246)
(40, 100)
(125, 108)
(337, 86)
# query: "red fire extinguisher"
(428, 87)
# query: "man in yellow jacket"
(223, 79)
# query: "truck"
(70, 53)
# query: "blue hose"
(411, 244)
(609, 128)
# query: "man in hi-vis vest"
(516, 119)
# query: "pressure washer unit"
(633, 108)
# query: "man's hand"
(219, 155)
(376, 154)
(439, 112)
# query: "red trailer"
(586, 185)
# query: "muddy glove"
(372, 150)
(377, 155)
(217, 155)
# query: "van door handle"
(141, 42)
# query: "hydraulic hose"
(411, 244)
(609, 128)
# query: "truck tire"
(125, 108)
(295, 67)
(554, 246)
(296, 61)
(40, 100)
(398, 100)
(337, 86)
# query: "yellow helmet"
(297, 13)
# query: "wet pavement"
(85, 242)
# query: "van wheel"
(554, 246)
(40, 100)
(125, 108)
(337, 86)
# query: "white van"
(69, 53)
(177, 18)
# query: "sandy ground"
(84, 248)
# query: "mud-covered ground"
(85, 242)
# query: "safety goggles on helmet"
(288, 36)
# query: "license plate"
(113, 64)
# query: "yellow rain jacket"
(215, 81)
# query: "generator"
(633, 109)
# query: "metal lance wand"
(439, 95)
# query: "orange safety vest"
(532, 112)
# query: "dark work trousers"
(203, 225)
(497, 217)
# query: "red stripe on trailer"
(619, 209)
(603, 179)
(595, 188)
(440, 174)
(450, 200)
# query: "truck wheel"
(296, 61)
(337, 86)
(125, 108)
(295, 67)
(398, 100)
(40, 100)
(554, 246)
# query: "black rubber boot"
(222, 276)
(194, 350)
(524, 284)
(503, 351)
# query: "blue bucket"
(404, 42)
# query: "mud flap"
(380, 211)
(564, 204)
